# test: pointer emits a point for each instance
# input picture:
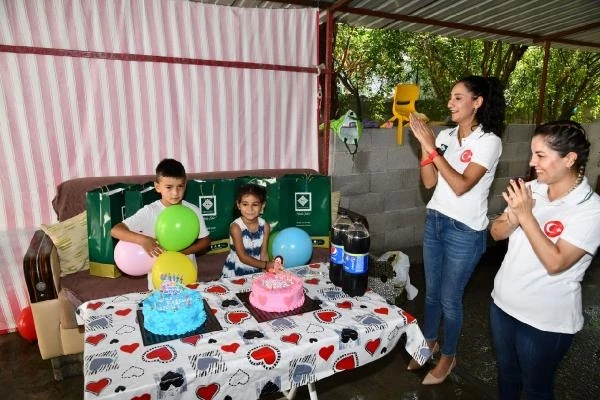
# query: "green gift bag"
(279, 209)
(216, 200)
(311, 206)
(137, 196)
(105, 208)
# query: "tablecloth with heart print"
(246, 359)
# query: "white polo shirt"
(524, 289)
(483, 148)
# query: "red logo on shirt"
(553, 228)
(466, 156)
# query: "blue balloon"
(294, 245)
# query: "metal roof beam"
(340, 7)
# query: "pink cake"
(279, 292)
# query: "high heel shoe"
(432, 380)
(413, 365)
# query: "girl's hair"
(250, 188)
(564, 137)
(491, 113)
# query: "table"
(246, 358)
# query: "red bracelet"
(434, 153)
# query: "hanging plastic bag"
(349, 129)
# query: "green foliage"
(572, 88)
(369, 63)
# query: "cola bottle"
(356, 260)
(337, 235)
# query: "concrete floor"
(24, 375)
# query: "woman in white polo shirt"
(553, 227)
(460, 163)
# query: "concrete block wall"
(382, 182)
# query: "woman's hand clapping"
(423, 133)
(519, 199)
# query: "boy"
(170, 182)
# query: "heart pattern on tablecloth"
(123, 312)
(129, 348)
(125, 329)
(326, 316)
(239, 378)
(372, 345)
(371, 320)
(95, 305)
(346, 362)
(266, 356)
(282, 323)
(207, 392)
(301, 372)
(326, 352)
(344, 304)
(230, 348)
(95, 339)
(291, 338)
(217, 289)
(132, 372)
(409, 318)
(163, 354)
(236, 317)
(260, 353)
(96, 387)
(382, 310)
(192, 340)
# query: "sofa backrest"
(70, 195)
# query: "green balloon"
(270, 244)
(177, 227)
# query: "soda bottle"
(356, 260)
(336, 258)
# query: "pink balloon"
(132, 259)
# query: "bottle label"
(356, 263)
(337, 254)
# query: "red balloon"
(25, 325)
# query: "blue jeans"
(527, 357)
(451, 250)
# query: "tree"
(368, 63)
(572, 87)
(575, 81)
(443, 61)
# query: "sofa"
(54, 299)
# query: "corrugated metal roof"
(565, 23)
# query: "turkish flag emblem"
(466, 156)
(553, 228)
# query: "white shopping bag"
(401, 265)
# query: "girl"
(249, 235)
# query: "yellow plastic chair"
(405, 96)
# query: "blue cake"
(173, 309)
